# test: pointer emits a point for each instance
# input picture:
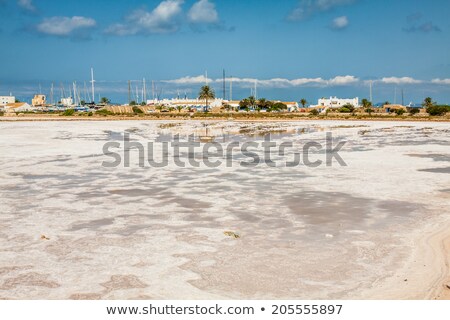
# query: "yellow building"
(38, 100)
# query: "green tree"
(104, 100)
(206, 93)
(262, 104)
(133, 103)
(366, 103)
(413, 111)
(279, 106)
(428, 102)
(347, 108)
(436, 110)
(179, 108)
(252, 101)
(82, 102)
(303, 102)
(244, 104)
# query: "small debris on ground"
(231, 234)
(44, 237)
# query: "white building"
(67, 102)
(192, 103)
(334, 102)
(4, 100)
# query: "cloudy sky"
(292, 49)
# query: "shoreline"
(443, 292)
(219, 118)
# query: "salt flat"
(365, 230)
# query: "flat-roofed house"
(39, 100)
(4, 100)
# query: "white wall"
(334, 102)
(7, 99)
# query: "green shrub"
(438, 110)
(414, 111)
(345, 110)
(348, 106)
(68, 112)
(104, 112)
(2, 113)
(314, 112)
(399, 112)
(137, 110)
(90, 114)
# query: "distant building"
(18, 107)
(192, 103)
(67, 102)
(334, 102)
(4, 100)
(291, 106)
(388, 108)
(39, 100)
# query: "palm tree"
(366, 103)
(206, 93)
(303, 102)
(243, 104)
(159, 108)
(428, 102)
(252, 101)
(179, 108)
(261, 104)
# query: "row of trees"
(251, 103)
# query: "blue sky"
(293, 48)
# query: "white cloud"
(26, 5)
(441, 81)
(343, 80)
(397, 80)
(64, 26)
(203, 11)
(340, 23)
(162, 19)
(308, 8)
(271, 83)
(189, 80)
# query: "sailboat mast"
(224, 89)
(93, 86)
(145, 92)
(129, 91)
(231, 88)
(74, 86)
(51, 94)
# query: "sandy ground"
(71, 228)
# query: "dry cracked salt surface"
(71, 228)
